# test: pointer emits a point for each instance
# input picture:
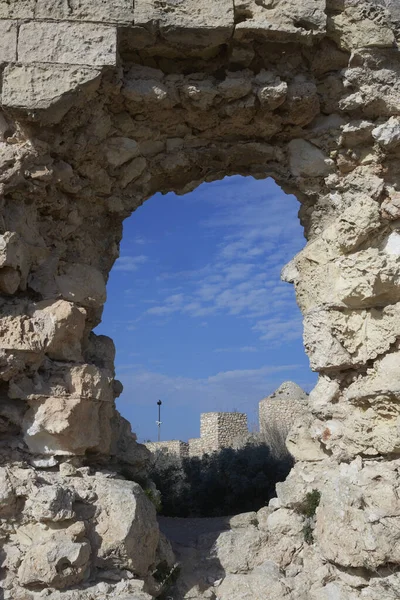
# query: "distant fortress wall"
(222, 429)
(283, 408)
(217, 430)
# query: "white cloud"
(242, 278)
(279, 330)
(130, 263)
(226, 390)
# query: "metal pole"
(159, 419)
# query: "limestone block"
(82, 284)
(237, 550)
(243, 520)
(51, 503)
(21, 9)
(67, 43)
(132, 170)
(56, 559)
(129, 542)
(265, 581)
(192, 23)
(340, 339)
(201, 93)
(54, 426)
(367, 278)
(119, 11)
(388, 134)
(11, 250)
(281, 21)
(302, 444)
(235, 85)
(356, 133)
(7, 494)
(363, 279)
(79, 381)
(284, 522)
(301, 107)
(8, 41)
(390, 207)
(306, 160)
(121, 149)
(40, 86)
(65, 325)
(354, 225)
(382, 380)
(125, 447)
(351, 29)
(272, 91)
(393, 7)
(358, 526)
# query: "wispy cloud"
(243, 277)
(226, 390)
(130, 263)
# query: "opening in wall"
(196, 307)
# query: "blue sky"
(196, 307)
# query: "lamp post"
(159, 419)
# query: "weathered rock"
(264, 581)
(52, 503)
(7, 494)
(103, 105)
(118, 539)
(308, 161)
(56, 559)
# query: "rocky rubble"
(103, 105)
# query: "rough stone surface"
(280, 410)
(306, 92)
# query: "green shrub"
(154, 498)
(227, 482)
(310, 504)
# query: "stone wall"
(221, 429)
(176, 447)
(104, 104)
(282, 409)
(195, 447)
(217, 430)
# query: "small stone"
(390, 207)
(44, 463)
(306, 160)
(133, 170)
(388, 134)
(121, 149)
(68, 470)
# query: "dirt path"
(186, 532)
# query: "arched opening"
(202, 320)
(196, 307)
(139, 104)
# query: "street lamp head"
(159, 403)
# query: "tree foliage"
(230, 481)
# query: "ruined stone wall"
(220, 429)
(195, 447)
(282, 409)
(217, 430)
(176, 447)
(104, 104)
